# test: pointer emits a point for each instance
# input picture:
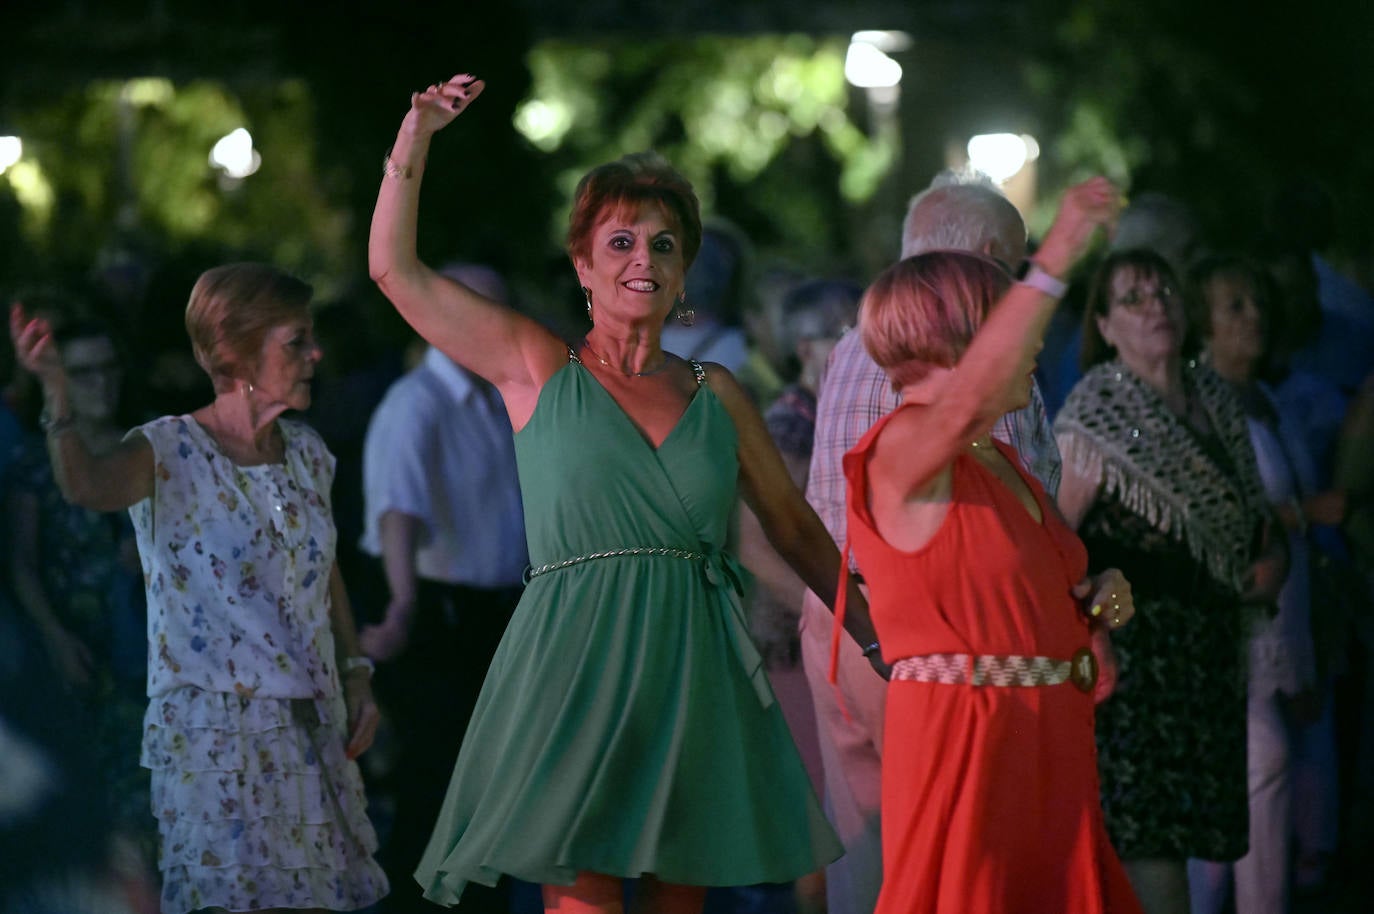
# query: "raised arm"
(104, 482)
(918, 445)
(512, 351)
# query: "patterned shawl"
(1116, 430)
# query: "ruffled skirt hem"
(257, 804)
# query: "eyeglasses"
(107, 369)
(1135, 298)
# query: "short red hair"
(922, 312)
(627, 184)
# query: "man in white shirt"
(443, 512)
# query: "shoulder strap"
(699, 371)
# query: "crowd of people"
(1016, 581)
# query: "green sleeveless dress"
(626, 725)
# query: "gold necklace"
(629, 374)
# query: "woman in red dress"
(990, 790)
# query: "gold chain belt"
(669, 551)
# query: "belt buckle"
(1083, 670)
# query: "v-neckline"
(634, 426)
(1014, 462)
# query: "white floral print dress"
(256, 802)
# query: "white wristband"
(1037, 278)
(359, 663)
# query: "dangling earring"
(587, 293)
(685, 315)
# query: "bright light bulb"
(997, 155)
(234, 154)
(868, 67)
(544, 123)
(11, 150)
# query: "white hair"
(963, 210)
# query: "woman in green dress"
(626, 728)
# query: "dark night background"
(1216, 103)
(1221, 105)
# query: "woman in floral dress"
(259, 702)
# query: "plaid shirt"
(856, 394)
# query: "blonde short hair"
(231, 309)
(922, 312)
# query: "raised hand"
(1085, 208)
(435, 108)
(34, 346)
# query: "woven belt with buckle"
(994, 670)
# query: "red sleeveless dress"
(989, 793)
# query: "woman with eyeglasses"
(1160, 480)
(75, 574)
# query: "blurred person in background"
(60, 848)
(11, 427)
(259, 698)
(815, 313)
(75, 573)
(443, 515)
(1354, 474)
(1331, 330)
(1230, 305)
(1160, 480)
(718, 282)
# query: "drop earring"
(685, 315)
(587, 294)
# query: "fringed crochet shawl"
(1116, 430)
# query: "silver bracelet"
(352, 664)
(55, 425)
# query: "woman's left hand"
(434, 108)
(34, 347)
(363, 714)
(1107, 597)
